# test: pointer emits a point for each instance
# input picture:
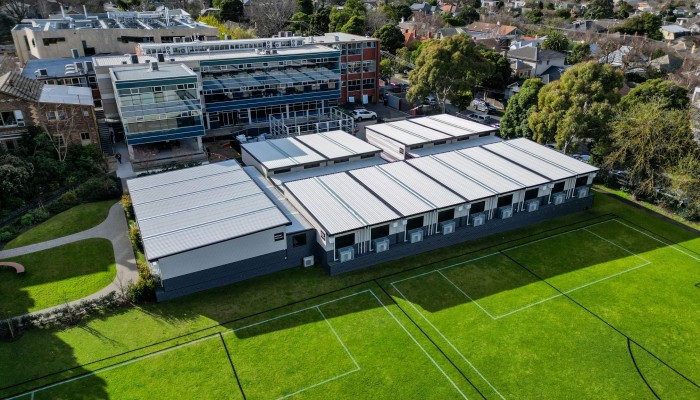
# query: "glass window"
(85, 136)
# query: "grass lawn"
(76, 219)
(57, 275)
(601, 304)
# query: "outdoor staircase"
(105, 137)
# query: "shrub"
(135, 236)
(128, 206)
(39, 215)
(27, 220)
(145, 288)
(99, 188)
(7, 235)
(69, 198)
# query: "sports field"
(598, 308)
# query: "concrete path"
(114, 229)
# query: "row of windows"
(260, 114)
(359, 84)
(158, 97)
(50, 41)
(61, 115)
(136, 39)
(11, 118)
(354, 67)
(152, 89)
(162, 116)
(258, 65)
(204, 47)
(162, 125)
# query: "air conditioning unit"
(447, 227)
(308, 261)
(558, 198)
(533, 205)
(415, 235)
(478, 219)
(582, 192)
(20, 123)
(381, 245)
(505, 212)
(347, 253)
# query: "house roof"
(496, 29)
(63, 94)
(195, 207)
(674, 29)
(534, 54)
(16, 85)
(55, 67)
(517, 65)
(552, 74)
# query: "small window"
(279, 236)
(478, 207)
(312, 166)
(418, 146)
(367, 156)
(299, 240)
(558, 187)
(86, 113)
(51, 115)
(485, 134)
(85, 136)
(446, 215)
(439, 142)
(414, 223)
(505, 200)
(379, 232)
(341, 160)
(463, 138)
(344, 241)
(581, 181)
(531, 194)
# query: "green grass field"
(587, 306)
(74, 220)
(57, 275)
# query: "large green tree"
(647, 140)
(231, 10)
(520, 106)
(15, 175)
(390, 36)
(397, 12)
(578, 106)
(305, 6)
(645, 24)
(340, 17)
(666, 93)
(600, 9)
(579, 53)
(498, 73)
(555, 40)
(450, 69)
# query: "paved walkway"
(114, 229)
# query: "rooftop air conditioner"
(582, 191)
(415, 235)
(478, 219)
(347, 253)
(308, 261)
(533, 205)
(381, 244)
(505, 212)
(558, 198)
(447, 227)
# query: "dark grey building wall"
(238, 271)
(463, 233)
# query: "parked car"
(485, 108)
(480, 118)
(363, 114)
(431, 100)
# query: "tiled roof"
(16, 85)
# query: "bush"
(128, 206)
(7, 235)
(99, 188)
(135, 236)
(27, 220)
(67, 200)
(145, 288)
(39, 215)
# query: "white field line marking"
(465, 294)
(159, 352)
(357, 366)
(617, 245)
(447, 267)
(448, 341)
(660, 241)
(558, 234)
(418, 344)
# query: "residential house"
(65, 112)
(540, 60)
(643, 7)
(449, 9)
(493, 30)
(448, 32)
(673, 32)
(626, 57)
(668, 63)
(424, 8)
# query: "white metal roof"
(279, 179)
(407, 190)
(489, 177)
(337, 144)
(452, 177)
(503, 167)
(195, 207)
(62, 94)
(339, 203)
(453, 126)
(282, 153)
(145, 71)
(552, 156)
(407, 133)
(460, 145)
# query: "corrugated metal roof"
(463, 144)
(408, 133)
(62, 94)
(279, 179)
(450, 176)
(553, 156)
(282, 153)
(339, 203)
(190, 208)
(16, 85)
(491, 178)
(503, 167)
(407, 190)
(337, 144)
(454, 126)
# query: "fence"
(10, 218)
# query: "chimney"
(63, 12)
(154, 66)
(161, 57)
(134, 59)
(403, 19)
(85, 11)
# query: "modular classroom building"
(212, 225)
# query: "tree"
(227, 28)
(340, 17)
(386, 68)
(666, 93)
(556, 41)
(305, 6)
(534, 16)
(374, 20)
(125, 5)
(520, 106)
(17, 9)
(231, 10)
(563, 13)
(397, 12)
(355, 25)
(270, 17)
(623, 10)
(466, 16)
(645, 24)
(390, 36)
(318, 22)
(600, 9)
(579, 53)
(499, 71)
(476, 4)
(15, 173)
(578, 106)
(450, 69)
(648, 139)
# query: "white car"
(363, 114)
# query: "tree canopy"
(579, 105)
(647, 140)
(520, 106)
(666, 93)
(499, 72)
(397, 11)
(579, 53)
(305, 6)
(450, 69)
(645, 24)
(598, 9)
(390, 36)
(340, 18)
(555, 40)
(231, 10)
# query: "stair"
(105, 137)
